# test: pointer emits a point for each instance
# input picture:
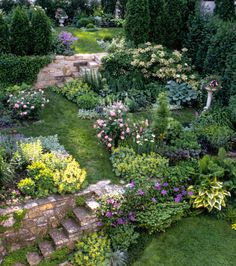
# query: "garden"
(157, 119)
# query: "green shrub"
(225, 9)
(87, 101)
(129, 165)
(20, 32)
(23, 69)
(157, 218)
(92, 250)
(4, 35)
(137, 21)
(122, 237)
(232, 108)
(83, 22)
(41, 32)
(108, 6)
(90, 26)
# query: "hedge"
(19, 69)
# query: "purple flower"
(109, 214)
(110, 201)
(132, 184)
(157, 186)
(131, 217)
(176, 189)
(67, 39)
(140, 192)
(120, 221)
(163, 192)
(154, 200)
(100, 224)
(116, 204)
(190, 193)
(183, 192)
(178, 199)
(120, 212)
(165, 184)
(213, 83)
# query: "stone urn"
(61, 16)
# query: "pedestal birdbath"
(211, 86)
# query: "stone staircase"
(67, 68)
(82, 221)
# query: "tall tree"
(137, 21)
(4, 35)
(19, 32)
(225, 9)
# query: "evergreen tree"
(109, 6)
(19, 32)
(137, 21)
(4, 35)
(225, 9)
(41, 32)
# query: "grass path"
(87, 42)
(196, 241)
(77, 135)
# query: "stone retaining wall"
(39, 216)
(66, 68)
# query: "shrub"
(83, 22)
(87, 101)
(114, 128)
(92, 250)
(156, 218)
(137, 21)
(123, 237)
(225, 9)
(30, 152)
(41, 32)
(20, 32)
(109, 6)
(23, 69)
(129, 165)
(181, 94)
(90, 26)
(27, 104)
(4, 35)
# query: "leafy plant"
(118, 258)
(210, 194)
(181, 94)
(88, 101)
(92, 250)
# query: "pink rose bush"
(114, 127)
(27, 104)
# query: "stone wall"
(66, 68)
(43, 216)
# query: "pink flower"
(16, 106)
(24, 106)
(122, 137)
(128, 130)
(109, 145)
(99, 135)
(121, 125)
(112, 113)
(32, 107)
(106, 137)
(110, 139)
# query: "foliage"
(229, 78)
(127, 164)
(80, 201)
(23, 69)
(56, 257)
(27, 104)
(118, 258)
(232, 109)
(88, 101)
(114, 127)
(29, 152)
(169, 31)
(108, 6)
(181, 94)
(20, 32)
(123, 237)
(158, 218)
(210, 194)
(4, 35)
(137, 21)
(41, 32)
(88, 114)
(92, 250)
(225, 9)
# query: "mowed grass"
(87, 42)
(196, 241)
(77, 135)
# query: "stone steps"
(59, 238)
(71, 228)
(46, 248)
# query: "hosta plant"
(181, 94)
(210, 195)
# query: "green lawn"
(87, 42)
(198, 241)
(77, 135)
